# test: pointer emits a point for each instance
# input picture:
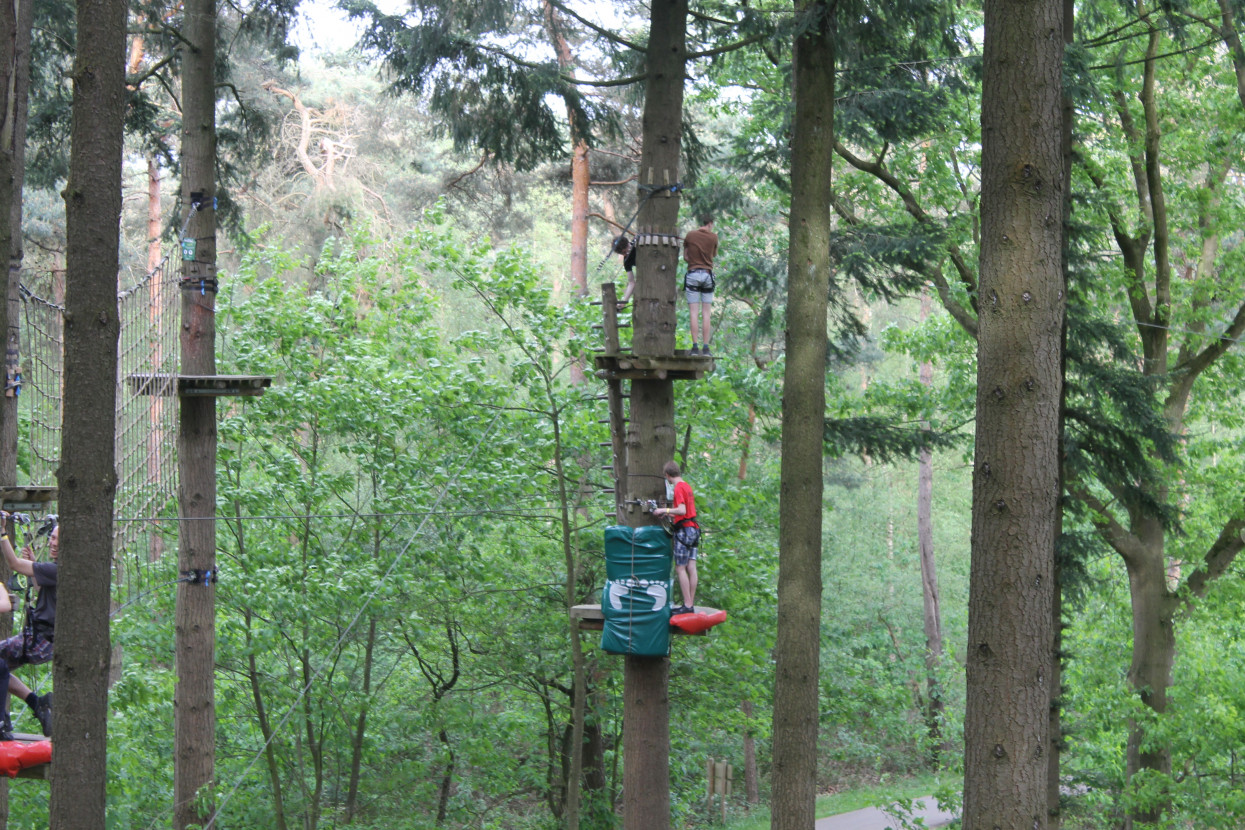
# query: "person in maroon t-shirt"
(699, 248)
(686, 535)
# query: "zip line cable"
(340, 640)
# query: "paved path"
(871, 818)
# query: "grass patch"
(854, 799)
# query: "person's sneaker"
(42, 709)
(704, 350)
(695, 350)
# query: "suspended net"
(146, 424)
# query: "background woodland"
(414, 228)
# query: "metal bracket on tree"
(200, 576)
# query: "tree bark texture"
(87, 478)
(195, 632)
(16, 21)
(657, 257)
(1019, 386)
(797, 652)
(650, 431)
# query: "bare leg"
(688, 580)
(18, 688)
(686, 587)
(705, 309)
(694, 319)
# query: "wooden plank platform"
(592, 618)
(221, 386)
(680, 366)
(26, 497)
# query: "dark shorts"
(38, 650)
(686, 539)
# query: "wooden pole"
(195, 695)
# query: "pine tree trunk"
(87, 477)
(650, 432)
(1019, 386)
(797, 653)
(195, 694)
(16, 22)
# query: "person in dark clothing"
(626, 248)
(34, 644)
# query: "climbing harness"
(702, 288)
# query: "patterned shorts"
(38, 650)
(686, 538)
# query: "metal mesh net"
(146, 424)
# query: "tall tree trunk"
(195, 693)
(87, 478)
(797, 651)
(580, 178)
(16, 22)
(1154, 652)
(929, 574)
(1019, 387)
(650, 432)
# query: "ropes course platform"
(682, 365)
(592, 618)
(221, 386)
(26, 497)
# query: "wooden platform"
(592, 618)
(221, 386)
(26, 497)
(680, 366)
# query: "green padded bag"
(636, 598)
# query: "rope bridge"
(146, 425)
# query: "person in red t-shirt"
(686, 535)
